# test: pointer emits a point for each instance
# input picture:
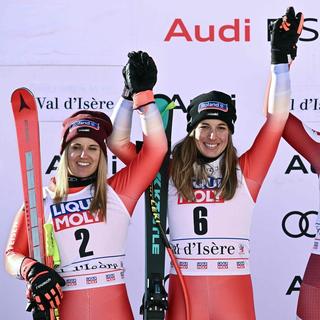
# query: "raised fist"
(140, 72)
(285, 33)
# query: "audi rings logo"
(296, 224)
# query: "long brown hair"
(184, 168)
(99, 200)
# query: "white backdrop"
(70, 54)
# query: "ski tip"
(23, 99)
(23, 91)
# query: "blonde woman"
(90, 214)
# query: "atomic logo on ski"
(23, 104)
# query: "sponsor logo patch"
(71, 282)
(91, 280)
(240, 265)
(202, 265)
(72, 214)
(222, 265)
(183, 265)
(110, 277)
(84, 123)
(203, 196)
(213, 105)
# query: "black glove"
(140, 72)
(44, 284)
(285, 33)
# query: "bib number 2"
(84, 235)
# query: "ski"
(25, 113)
(154, 301)
(27, 126)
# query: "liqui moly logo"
(72, 214)
(203, 196)
(210, 183)
(70, 207)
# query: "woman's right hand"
(44, 284)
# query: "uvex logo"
(234, 31)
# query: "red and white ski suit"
(307, 142)
(91, 250)
(216, 264)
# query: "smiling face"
(83, 157)
(211, 137)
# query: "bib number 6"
(200, 223)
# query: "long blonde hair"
(183, 170)
(99, 200)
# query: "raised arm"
(119, 141)
(131, 182)
(305, 140)
(256, 161)
(140, 76)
